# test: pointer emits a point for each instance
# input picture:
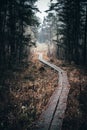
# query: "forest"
(66, 25)
(15, 17)
(26, 84)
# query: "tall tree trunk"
(85, 41)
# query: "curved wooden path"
(52, 117)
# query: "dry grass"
(27, 95)
(76, 112)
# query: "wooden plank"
(52, 117)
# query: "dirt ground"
(25, 93)
(76, 112)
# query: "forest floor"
(25, 93)
(76, 112)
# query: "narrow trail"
(52, 117)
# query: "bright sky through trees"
(42, 5)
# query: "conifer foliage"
(15, 16)
(72, 27)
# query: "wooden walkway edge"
(52, 117)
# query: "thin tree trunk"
(85, 41)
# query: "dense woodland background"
(66, 26)
(23, 90)
(15, 17)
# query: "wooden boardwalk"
(52, 117)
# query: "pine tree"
(15, 16)
(72, 20)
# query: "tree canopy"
(71, 36)
(15, 16)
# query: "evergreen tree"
(15, 16)
(72, 20)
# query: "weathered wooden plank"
(52, 117)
